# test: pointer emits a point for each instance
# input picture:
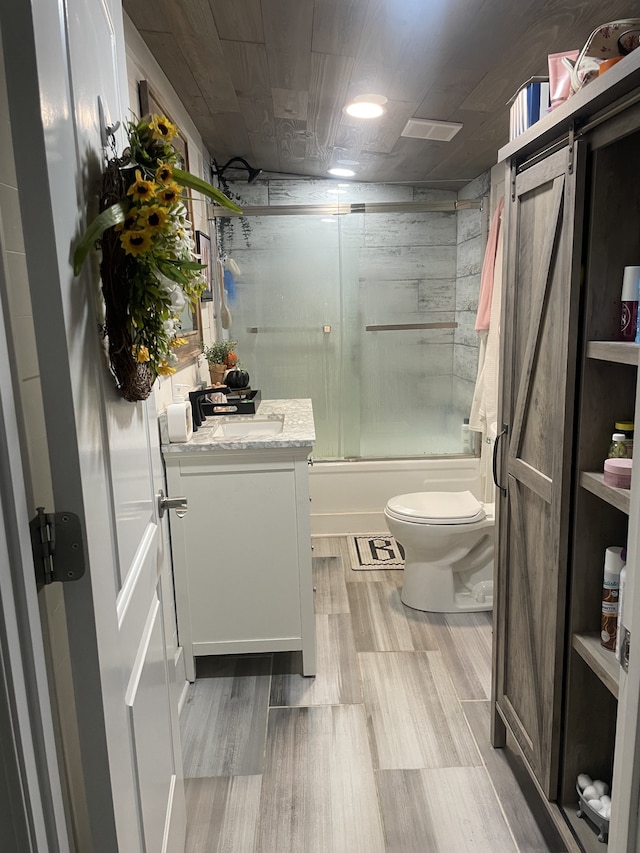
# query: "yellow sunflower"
(165, 370)
(142, 190)
(135, 242)
(164, 173)
(140, 353)
(168, 194)
(162, 128)
(153, 218)
(129, 222)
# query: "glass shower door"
(287, 316)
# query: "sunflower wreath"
(149, 270)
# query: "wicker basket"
(133, 379)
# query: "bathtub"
(349, 497)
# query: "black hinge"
(56, 541)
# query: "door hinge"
(56, 542)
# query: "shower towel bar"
(403, 327)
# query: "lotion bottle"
(613, 564)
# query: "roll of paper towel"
(179, 421)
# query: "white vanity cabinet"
(242, 553)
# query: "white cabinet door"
(60, 58)
(242, 556)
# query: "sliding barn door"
(539, 353)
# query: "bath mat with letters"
(375, 551)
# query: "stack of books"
(529, 104)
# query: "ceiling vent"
(438, 131)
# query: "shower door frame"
(340, 209)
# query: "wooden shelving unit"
(600, 660)
(607, 388)
(577, 726)
(614, 351)
(594, 482)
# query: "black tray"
(243, 401)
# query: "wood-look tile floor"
(385, 750)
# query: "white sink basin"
(238, 429)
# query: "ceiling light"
(366, 106)
(437, 131)
(342, 173)
(329, 219)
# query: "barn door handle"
(504, 431)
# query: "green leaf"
(186, 179)
(172, 272)
(186, 265)
(108, 218)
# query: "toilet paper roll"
(179, 422)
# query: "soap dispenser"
(179, 420)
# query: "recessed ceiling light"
(366, 106)
(329, 219)
(342, 173)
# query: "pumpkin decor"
(237, 379)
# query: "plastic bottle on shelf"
(618, 449)
(627, 428)
(629, 304)
(613, 564)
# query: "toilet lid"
(437, 508)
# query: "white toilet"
(448, 544)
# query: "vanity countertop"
(297, 429)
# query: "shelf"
(601, 661)
(593, 481)
(616, 351)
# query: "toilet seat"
(436, 508)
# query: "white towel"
(484, 408)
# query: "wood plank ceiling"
(267, 80)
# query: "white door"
(31, 811)
(104, 454)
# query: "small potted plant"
(221, 357)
